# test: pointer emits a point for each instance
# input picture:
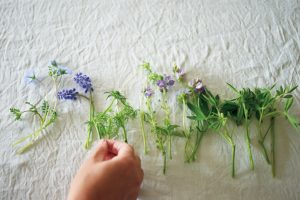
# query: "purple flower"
(148, 92)
(161, 84)
(179, 73)
(84, 82)
(30, 76)
(165, 83)
(197, 85)
(169, 81)
(67, 94)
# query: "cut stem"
(124, 134)
(142, 117)
(90, 125)
(233, 160)
(273, 145)
(265, 153)
(170, 146)
(249, 146)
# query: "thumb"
(101, 151)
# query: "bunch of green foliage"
(114, 117)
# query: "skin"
(113, 172)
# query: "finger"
(142, 175)
(119, 148)
(109, 156)
(101, 151)
(138, 160)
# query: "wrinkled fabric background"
(247, 43)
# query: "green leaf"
(16, 112)
(199, 114)
(45, 107)
(147, 67)
(288, 104)
(192, 117)
(171, 127)
(117, 95)
(53, 116)
(287, 96)
(292, 89)
(271, 88)
(293, 121)
(162, 130)
(233, 88)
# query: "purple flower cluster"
(165, 83)
(197, 85)
(148, 92)
(84, 82)
(67, 94)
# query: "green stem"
(109, 107)
(233, 160)
(142, 117)
(248, 137)
(25, 148)
(167, 122)
(165, 162)
(265, 153)
(273, 145)
(261, 141)
(40, 117)
(185, 131)
(166, 108)
(83, 96)
(91, 117)
(249, 146)
(170, 146)
(197, 144)
(124, 134)
(22, 139)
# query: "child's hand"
(113, 172)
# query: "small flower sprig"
(163, 133)
(197, 128)
(245, 102)
(207, 112)
(46, 113)
(85, 83)
(194, 95)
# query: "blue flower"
(70, 94)
(148, 92)
(30, 76)
(84, 82)
(165, 83)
